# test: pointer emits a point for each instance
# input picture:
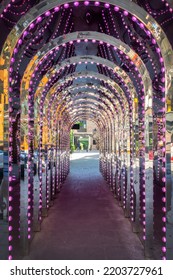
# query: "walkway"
(85, 221)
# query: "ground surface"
(85, 221)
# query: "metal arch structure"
(81, 103)
(100, 123)
(109, 130)
(93, 59)
(90, 75)
(59, 112)
(90, 60)
(90, 100)
(96, 36)
(82, 90)
(131, 7)
(98, 77)
(166, 51)
(88, 95)
(116, 120)
(62, 42)
(112, 120)
(81, 99)
(87, 112)
(87, 89)
(127, 9)
(79, 74)
(85, 74)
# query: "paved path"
(85, 221)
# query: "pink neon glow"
(97, 3)
(10, 238)
(25, 33)
(66, 5)
(125, 13)
(164, 249)
(39, 19)
(134, 19)
(107, 5)
(32, 25)
(164, 229)
(141, 25)
(164, 189)
(164, 239)
(56, 9)
(116, 9)
(164, 179)
(47, 13)
(20, 41)
(10, 248)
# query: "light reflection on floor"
(83, 154)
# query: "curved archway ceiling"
(111, 65)
(12, 10)
(149, 55)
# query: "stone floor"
(85, 221)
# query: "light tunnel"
(112, 65)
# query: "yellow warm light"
(168, 102)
